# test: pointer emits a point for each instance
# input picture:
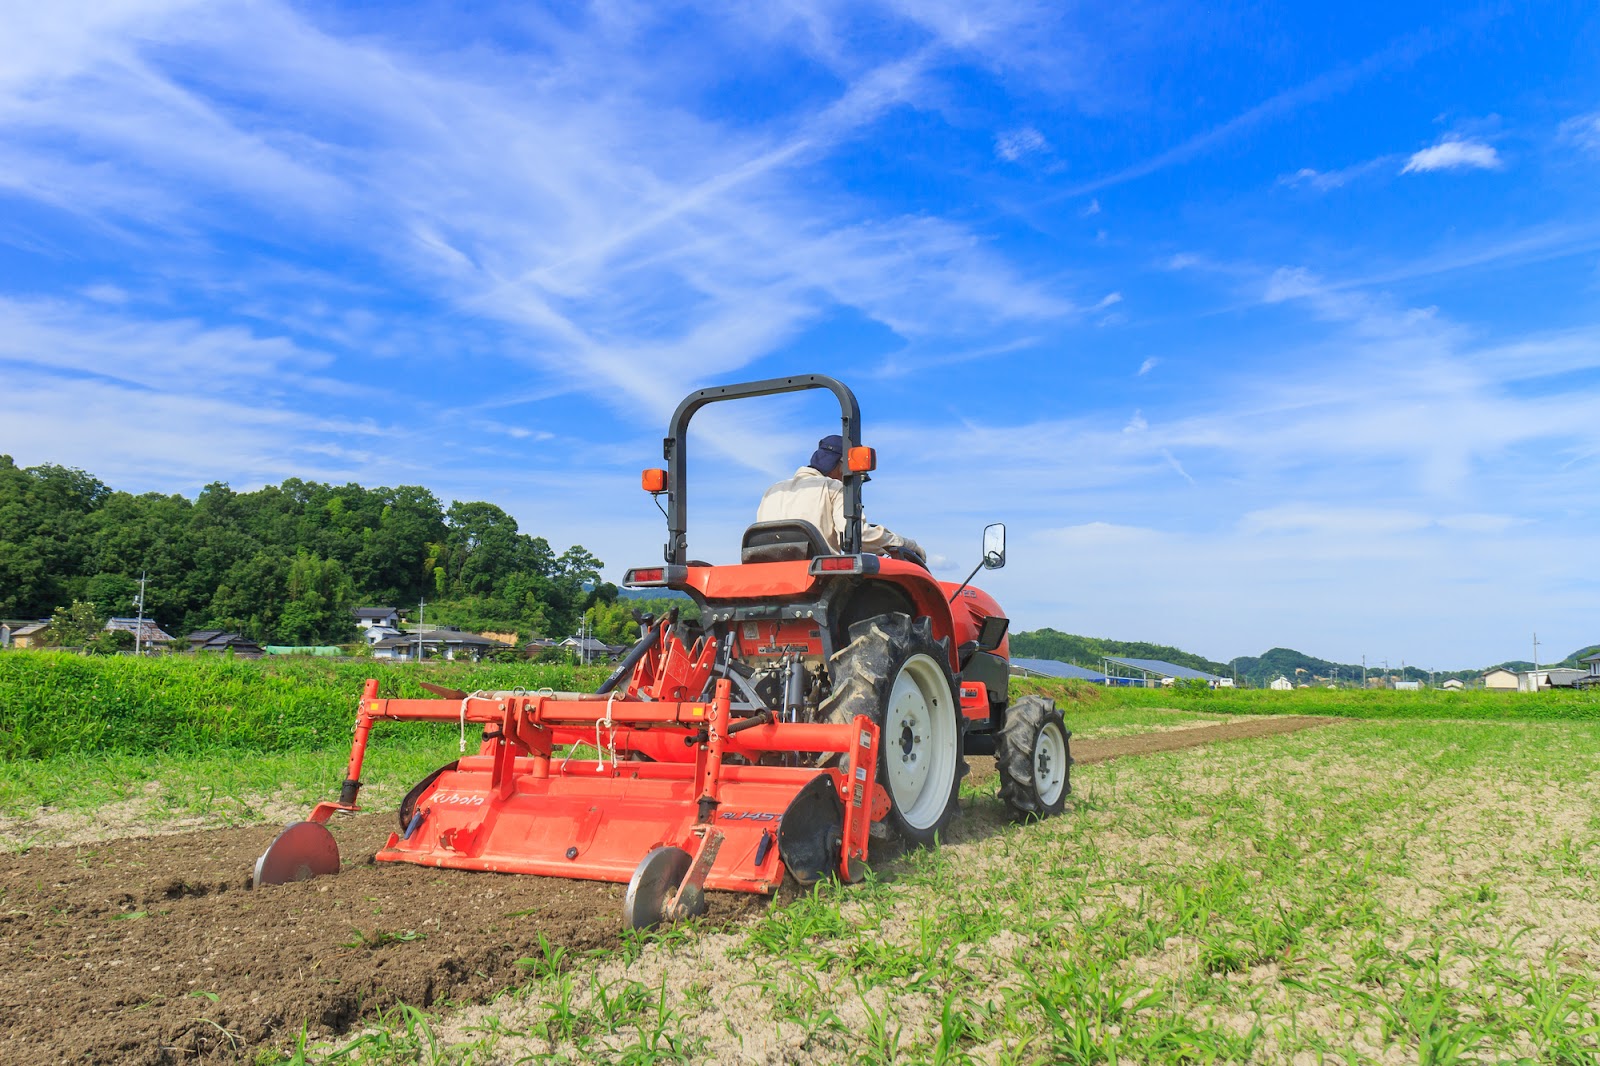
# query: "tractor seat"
(782, 542)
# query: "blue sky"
(1272, 326)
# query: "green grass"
(224, 788)
(1374, 892)
(1561, 705)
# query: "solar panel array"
(1156, 666)
(1052, 668)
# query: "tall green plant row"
(57, 704)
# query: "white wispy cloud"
(1583, 131)
(1324, 180)
(1453, 154)
(1148, 365)
(1012, 145)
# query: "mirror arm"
(967, 582)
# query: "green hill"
(1252, 670)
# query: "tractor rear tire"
(895, 673)
(1033, 754)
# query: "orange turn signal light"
(654, 481)
(862, 459)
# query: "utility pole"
(138, 632)
(1534, 686)
(1363, 673)
(421, 608)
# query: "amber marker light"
(654, 480)
(863, 459)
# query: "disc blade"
(809, 835)
(654, 882)
(302, 851)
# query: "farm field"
(1349, 891)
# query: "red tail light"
(669, 576)
(844, 564)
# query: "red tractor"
(819, 700)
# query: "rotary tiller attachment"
(680, 798)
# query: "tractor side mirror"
(994, 546)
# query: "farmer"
(814, 495)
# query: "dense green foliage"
(53, 703)
(1088, 651)
(284, 564)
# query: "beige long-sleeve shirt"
(811, 496)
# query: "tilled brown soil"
(154, 950)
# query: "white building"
(1547, 677)
(1281, 684)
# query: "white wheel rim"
(1049, 763)
(919, 743)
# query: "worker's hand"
(911, 552)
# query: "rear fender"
(929, 600)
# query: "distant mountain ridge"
(1251, 669)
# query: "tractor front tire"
(895, 673)
(1033, 754)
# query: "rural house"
(588, 649)
(376, 623)
(217, 640)
(1547, 677)
(29, 635)
(386, 617)
(146, 632)
(441, 643)
(1281, 684)
(1593, 676)
(1500, 679)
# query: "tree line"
(286, 563)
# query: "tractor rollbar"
(674, 450)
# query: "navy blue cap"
(829, 453)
